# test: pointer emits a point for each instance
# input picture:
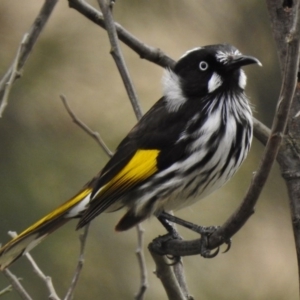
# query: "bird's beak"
(239, 61)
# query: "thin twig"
(15, 282)
(82, 238)
(261, 131)
(142, 263)
(118, 56)
(26, 47)
(46, 279)
(15, 72)
(8, 289)
(95, 135)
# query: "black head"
(210, 69)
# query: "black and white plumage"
(186, 146)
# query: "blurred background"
(45, 158)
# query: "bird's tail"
(34, 234)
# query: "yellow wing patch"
(57, 212)
(141, 166)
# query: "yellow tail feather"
(34, 234)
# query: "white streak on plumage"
(214, 82)
(79, 208)
(242, 79)
(237, 109)
(226, 57)
(172, 91)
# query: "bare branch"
(283, 17)
(82, 238)
(14, 73)
(6, 290)
(15, 282)
(261, 131)
(288, 86)
(142, 263)
(149, 53)
(39, 272)
(118, 56)
(166, 275)
(95, 135)
(246, 209)
(180, 276)
(25, 49)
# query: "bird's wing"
(137, 158)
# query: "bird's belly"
(193, 189)
(185, 188)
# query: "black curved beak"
(239, 61)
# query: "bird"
(189, 144)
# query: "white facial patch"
(225, 57)
(172, 91)
(242, 80)
(214, 82)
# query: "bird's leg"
(205, 232)
(168, 226)
(172, 234)
(196, 228)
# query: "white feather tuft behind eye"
(242, 80)
(214, 82)
(172, 91)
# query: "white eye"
(203, 66)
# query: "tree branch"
(14, 74)
(246, 209)
(142, 263)
(117, 55)
(261, 131)
(6, 290)
(15, 282)
(149, 53)
(82, 239)
(167, 277)
(236, 221)
(283, 16)
(25, 49)
(46, 279)
(95, 135)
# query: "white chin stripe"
(242, 80)
(214, 82)
(172, 91)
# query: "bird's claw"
(204, 251)
(228, 243)
(157, 243)
(205, 233)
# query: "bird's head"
(207, 70)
